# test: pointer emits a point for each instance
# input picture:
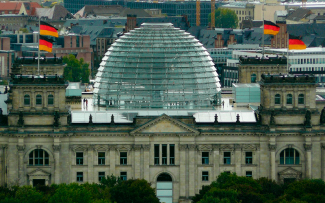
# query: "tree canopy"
(230, 188)
(225, 18)
(76, 70)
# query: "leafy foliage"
(225, 18)
(76, 70)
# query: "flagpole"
(263, 34)
(288, 51)
(39, 37)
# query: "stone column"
(272, 148)
(146, 162)
(216, 162)
(137, 161)
(2, 163)
(183, 185)
(238, 159)
(90, 163)
(56, 149)
(112, 154)
(308, 160)
(21, 177)
(192, 173)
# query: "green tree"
(76, 70)
(24, 30)
(225, 18)
(28, 194)
(72, 193)
(135, 191)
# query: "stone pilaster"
(146, 158)
(216, 162)
(21, 177)
(56, 149)
(137, 161)
(2, 163)
(272, 148)
(308, 148)
(238, 159)
(192, 169)
(183, 186)
(90, 163)
(112, 164)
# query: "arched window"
(50, 100)
(289, 156)
(289, 98)
(253, 78)
(38, 157)
(26, 99)
(164, 188)
(301, 99)
(277, 99)
(38, 99)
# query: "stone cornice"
(77, 147)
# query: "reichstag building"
(157, 116)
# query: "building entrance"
(165, 188)
(40, 182)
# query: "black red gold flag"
(295, 42)
(47, 29)
(270, 28)
(45, 44)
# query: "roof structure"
(55, 13)
(157, 66)
(299, 14)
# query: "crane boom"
(213, 19)
(198, 10)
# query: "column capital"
(308, 147)
(137, 146)
(191, 146)
(146, 146)
(20, 148)
(56, 148)
(3, 146)
(272, 147)
(182, 146)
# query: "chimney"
(131, 22)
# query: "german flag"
(295, 42)
(270, 28)
(45, 44)
(47, 29)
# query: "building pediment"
(39, 172)
(290, 171)
(165, 125)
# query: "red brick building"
(5, 47)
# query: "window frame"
(43, 157)
(225, 158)
(48, 99)
(101, 159)
(123, 159)
(156, 154)
(294, 160)
(248, 159)
(123, 176)
(277, 99)
(301, 97)
(80, 176)
(28, 97)
(205, 158)
(38, 100)
(289, 99)
(101, 176)
(79, 159)
(205, 176)
(253, 78)
(249, 174)
(164, 154)
(171, 154)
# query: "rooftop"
(260, 60)
(287, 79)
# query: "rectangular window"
(123, 158)
(164, 154)
(101, 158)
(226, 158)
(249, 174)
(156, 154)
(101, 175)
(205, 176)
(123, 175)
(205, 157)
(79, 158)
(172, 154)
(80, 176)
(249, 158)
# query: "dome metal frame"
(157, 66)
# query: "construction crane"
(198, 11)
(213, 19)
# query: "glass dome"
(157, 66)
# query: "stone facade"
(250, 67)
(154, 145)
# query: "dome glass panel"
(157, 66)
